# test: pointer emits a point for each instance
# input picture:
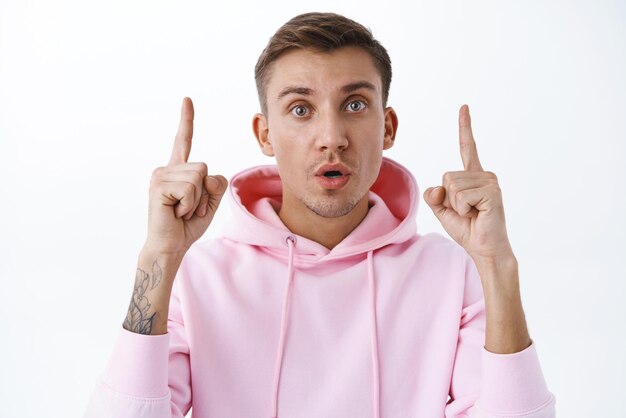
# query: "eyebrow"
(305, 91)
(349, 88)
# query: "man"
(320, 299)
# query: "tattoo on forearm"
(137, 319)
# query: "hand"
(183, 199)
(469, 205)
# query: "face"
(323, 109)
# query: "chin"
(331, 206)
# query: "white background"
(89, 104)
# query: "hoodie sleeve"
(490, 385)
(148, 376)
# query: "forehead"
(322, 71)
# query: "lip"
(333, 167)
(333, 183)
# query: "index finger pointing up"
(469, 153)
(182, 142)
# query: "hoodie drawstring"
(285, 320)
(283, 328)
(374, 334)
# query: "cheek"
(372, 156)
(371, 129)
(373, 166)
(291, 160)
(291, 145)
(283, 134)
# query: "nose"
(331, 132)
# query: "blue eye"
(299, 111)
(356, 105)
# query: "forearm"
(506, 329)
(149, 304)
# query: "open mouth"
(333, 174)
(333, 179)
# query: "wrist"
(167, 264)
(154, 280)
(150, 252)
(498, 268)
(501, 261)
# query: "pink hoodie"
(264, 323)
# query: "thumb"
(216, 186)
(434, 197)
(213, 191)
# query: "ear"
(262, 132)
(391, 127)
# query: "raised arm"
(148, 374)
(183, 200)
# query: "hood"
(256, 197)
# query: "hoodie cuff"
(139, 365)
(513, 383)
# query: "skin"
(469, 206)
(318, 123)
(183, 199)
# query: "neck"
(326, 231)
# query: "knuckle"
(452, 185)
(197, 177)
(155, 180)
(491, 175)
(157, 172)
(189, 189)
